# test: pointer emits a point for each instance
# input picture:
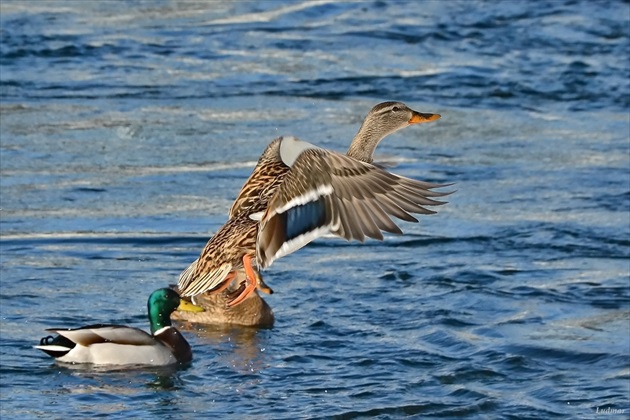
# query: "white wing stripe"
(298, 242)
(307, 197)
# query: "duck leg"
(228, 279)
(226, 283)
(252, 279)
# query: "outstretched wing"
(327, 192)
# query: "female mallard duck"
(254, 311)
(326, 192)
(103, 344)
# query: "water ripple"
(127, 129)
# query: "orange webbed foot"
(260, 283)
(250, 280)
(262, 286)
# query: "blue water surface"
(127, 128)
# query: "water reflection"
(242, 348)
(97, 391)
(122, 380)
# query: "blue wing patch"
(304, 218)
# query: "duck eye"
(395, 109)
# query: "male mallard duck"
(327, 193)
(103, 344)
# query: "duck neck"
(364, 143)
(158, 318)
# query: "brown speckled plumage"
(223, 254)
(262, 183)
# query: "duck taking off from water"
(298, 192)
(104, 344)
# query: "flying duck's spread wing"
(326, 192)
